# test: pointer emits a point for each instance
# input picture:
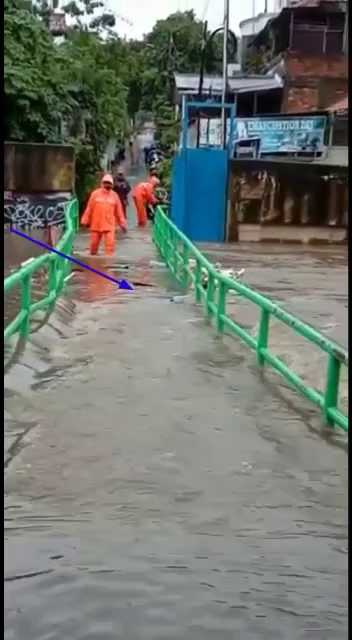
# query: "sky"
(144, 13)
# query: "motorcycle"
(153, 156)
(163, 199)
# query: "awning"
(188, 83)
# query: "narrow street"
(155, 487)
(165, 479)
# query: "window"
(321, 36)
(334, 42)
(307, 41)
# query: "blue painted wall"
(178, 192)
(199, 193)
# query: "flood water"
(157, 487)
(309, 281)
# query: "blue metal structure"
(200, 181)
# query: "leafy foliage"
(34, 78)
(164, 174)
(85, 89)
(174, 44)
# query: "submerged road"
(156, 488)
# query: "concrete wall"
(38, 168)
(38, 180)
(293, 234)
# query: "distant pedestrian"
(120, 155)
(103, 213)
(131, 149)
(122, 187)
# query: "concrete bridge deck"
(155, 487)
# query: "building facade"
(306, 45)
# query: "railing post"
(67, 263)
(60, 275)
(155, 229)
(263, 334)
(76, 208)
(185, 259)
(68, 267)
(171, 248)
(164, 239)
(198, 279)
(210, 293)
(26, 298)
(52, 274)
(158, 235)
(167, 245)
(221, 306)
(174, 257)
(332, 387)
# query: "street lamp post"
(224, 69)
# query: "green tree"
(174, 44)
(34, 77)
(84, 90)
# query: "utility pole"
(224, 69)
(345, 33)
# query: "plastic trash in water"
(156, 263)
(178, 299)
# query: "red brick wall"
(297, 99)
(316, 67)
(313, 83)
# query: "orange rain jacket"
(144, 192)
(104, 211)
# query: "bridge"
(162, 481)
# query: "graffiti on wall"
(36, 211)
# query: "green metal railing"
(176, 249)
(58, 271)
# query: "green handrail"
(176, 249)
(58, 267)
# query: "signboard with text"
(284, 134)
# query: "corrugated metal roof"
(189, 83)
(265, 83)
(312, 4)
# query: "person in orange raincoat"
(103, 212)
(143, 195)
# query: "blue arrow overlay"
(123, 284)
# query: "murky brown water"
(16, 251)
(156, 487)
(311, 282)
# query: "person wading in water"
(103, 213)
(143, 195)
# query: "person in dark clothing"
(120, 155)
(122, 187)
